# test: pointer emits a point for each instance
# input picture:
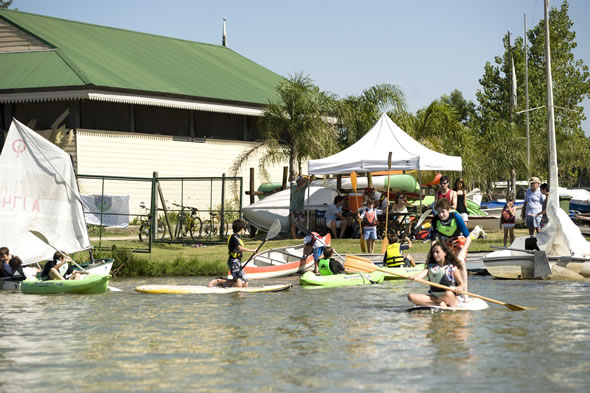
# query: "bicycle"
(145, 227)
(188, 223)
(211, 227)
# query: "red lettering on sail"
(19, 146)
(19, 202)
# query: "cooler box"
(354, 202)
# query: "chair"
(320, 222)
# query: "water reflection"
(330, 340)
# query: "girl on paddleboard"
(441, 268)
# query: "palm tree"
(357, 114)
(296, 128)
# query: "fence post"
(153, 210)
(251, 185)
(222, 215)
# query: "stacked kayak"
(340, 280)
(88, 284)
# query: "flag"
(513, 90)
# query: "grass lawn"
(177, 259)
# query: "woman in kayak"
(449, 227)
(441, 268)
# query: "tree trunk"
(513, 180)
(292, 163)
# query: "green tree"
(296, 128)
(571, 84)
(358, 114)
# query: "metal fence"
(190, 210)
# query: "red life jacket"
(370, 219)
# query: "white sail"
(38, 191)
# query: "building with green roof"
(128, 104)
(119, 80)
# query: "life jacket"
(448, 229)
(328, 267)
(440, 275)
(370, 218)
(393, 255)
(236, 254)
(324, 267)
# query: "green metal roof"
(87, 54)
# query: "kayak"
(340, 280)
(474, 304)
(406, 271)
(88, 284)
(201, 289)
(279, 262)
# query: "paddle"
(42, 237)
(274, 230)
(353, 182)
(362, 264)
(334, 251)
(385, 241)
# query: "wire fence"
(190, 210)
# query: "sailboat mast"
(553, 179)
(526, 93)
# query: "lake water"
(304, 340)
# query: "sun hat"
(534, 179)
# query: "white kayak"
(473, 304)
(201, 289)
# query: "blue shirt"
(332, 211)
(534, 202)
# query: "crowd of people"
(56, 269)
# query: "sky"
(426, 47)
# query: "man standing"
(533, 206)
(296, 207)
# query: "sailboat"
(39, 193)
(567, 251)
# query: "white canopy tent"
(370, 154)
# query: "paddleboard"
(201, 289)
(474, 304)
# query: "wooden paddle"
(363, 264)
(274, 230)
(42, 237)
(385, 241)
(353, 182)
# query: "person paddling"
(234, 261)
(441, 268)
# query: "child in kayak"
(51, 269)
(328, 265)
(234, 261)
(393, 255)
(441, 268)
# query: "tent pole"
(420, 185)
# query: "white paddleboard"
(201, 289)
(474, 304)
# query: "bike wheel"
(144, 232)
(207, 228)
(161, 230)
(195, 228)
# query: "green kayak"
(88, 284)
(340, 280)
(406, 271)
